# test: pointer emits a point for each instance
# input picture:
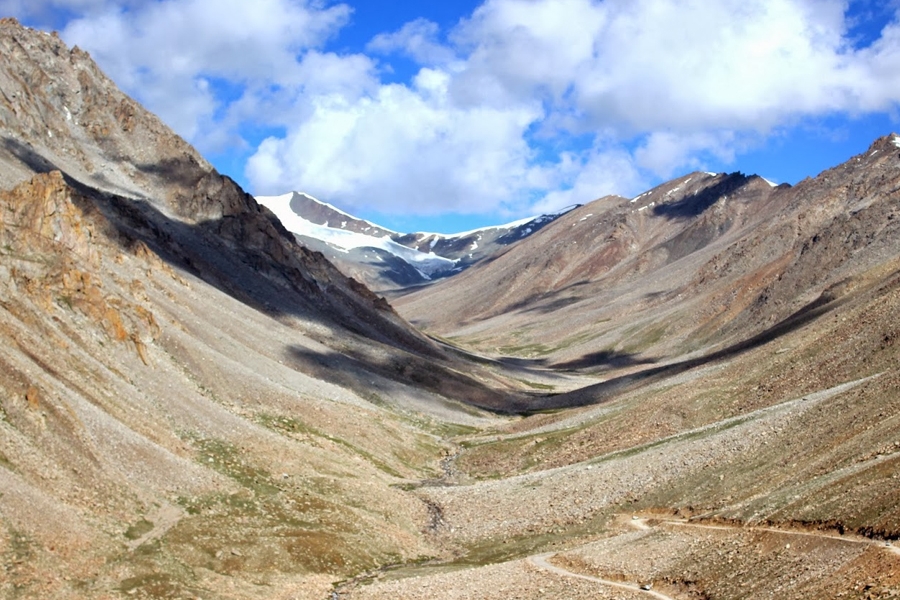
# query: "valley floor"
(688, 515)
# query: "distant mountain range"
(387, 260)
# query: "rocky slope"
(190, 402)
(696, 264)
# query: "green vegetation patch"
(291, 427)
(270, 526)
(226, 458)
(536, 349)
(6, 463)
(537, 386)
(638, 339)
(139, 529)
(153, 585)
(526, 350)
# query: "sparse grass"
(6, 463)
(65, 301)
(293, 426)
(649, 336)
(139, 529)
(526, 350)
(537, 386)
(495, 551)
(225, 458)
(21, 547)
(539, 349)
(492, 459)
(294, 532)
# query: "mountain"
(690, 394)
(386, 260)
(179, 374)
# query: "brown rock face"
(61, 238)
(42, 213)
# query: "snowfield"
(427, 264)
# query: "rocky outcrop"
(55, 240)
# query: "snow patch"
(672, 191)
(343, 240)
(769, 182)
(586, 217)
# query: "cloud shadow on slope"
(27, 155)
(268, 271)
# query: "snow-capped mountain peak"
(360, 247)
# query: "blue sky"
(446, 116)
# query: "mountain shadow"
(602, 392)
(694, 205)
(355, 370)
(604, 359)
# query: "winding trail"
(540, 561)
(642, 524)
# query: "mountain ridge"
(386, 260)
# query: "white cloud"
(520, 48)
(44, 10)
(418, 39)
(679, 83)
(598, 172)
(664, 152)
(406, 147)
(524, 105)
(170, 53)
(644, 65)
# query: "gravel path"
(642, 524)
(541, 561)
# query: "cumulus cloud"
(418, 39)
(525, 105)
(666, 86)
(406, 145)
(171, 54)
(597, 172)
(661, 152)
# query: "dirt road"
(541, 561)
